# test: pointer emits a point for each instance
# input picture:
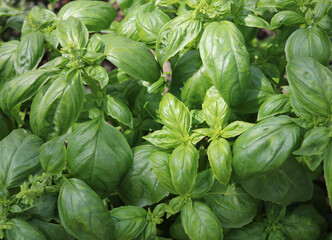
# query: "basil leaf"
(274, 105)
(309, 42)
(315, 142)
(203, 184)
(220, 158)
(254, 21)
(50, 230)
(127, 27)
(233, 206)
(311, 85)
(164, 138)
(94, 222)
(96, 15)
(7, 59)
(132, 57)
(128, 6)
(174, 114)
(29, 52)
(296, 225)
(282, 185)
(22, 230)
(313, 161)
(72, 33)
(328, 170)
(176, 230)
(21, 89)
(140, 186)
(57, 107)
(265, 146)
(222, 44)
(183, 165)
(128, 222)
(118, 110)
(160, 165)
(98, 74)
(287, 18)
(199, 222)
(53, 156)
(98, 154)
(253, 231)
(277, 3)
(175, 205)
(235, 128)
(4, 127)
(177, 34)
(149, 21)
(215, 109)
(274, 212)
(19, 157)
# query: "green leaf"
(29, 52)
(236, 128)
(175, 115)
(215, 109)
(233, 206)
(128, 6)
(315, 142)
(96, 15)
(274, 105)
(203, 184)
(176, 230)
(199, 222)
(7, 59)
(22, 230)
(72, 33)
(311, 85)
(98, 74)
(176, 205)
(222, 44)
(254, 21)
(118, 110)
(313, 161)
(57, 106)
(183, 165)
(53, 156)
(21, 89)
(253, 231)
(127, 27)
(277, 3)
(328, 171)
(82, 213)
(274, 212)
(19, 157)
(297, 225)
(282, 185)
(287, 18)
(98, 154)
(309, 42)
(51, 231)
(164, 138)
(140, 186)
(176, 35)
(265, 146)
(160, 165)
(132, 57)
(149, 22)
(220, 157)
(128, 222)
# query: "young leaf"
(164, 138)
(203, 184)
(254, 21)
(220, 158)
(117, 109)
(236, 128)
(287, 18)
(274, 105)
(7, 59)
(222, 44)
(98, 74)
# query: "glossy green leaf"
(309, 42)
(199, 222)
(57, 107)
(253, 231)
(22, 230)
(127, 27)
(203, 184)
(128, 6)
(98, 74)
(177, 34)
(96, 15)
(164, 138)
(7, 59)
(149, 21)
(82, 213)
(311, 85)
(160, 165)
(98, 154)
(296, 225)
(236, 128)
(72, 33)
(220, 158)
(274, 105)
(29, 52)
(277, 3)
(53, 156)
(222, 44)
(328, 171)
(254, 21)
(21, 89)
(51, 231)
(315, 142)
(233, 206)
(19, 157)
(118, 110)
(175, 115)
(140, 186)
(265, 146)
(183, 165)
(313, 161)
(274, 212)
(287, 18)
(282, 185)
(176, 230)
(132, 57)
